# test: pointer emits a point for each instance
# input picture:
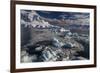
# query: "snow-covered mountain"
(35, 20)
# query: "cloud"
(82, 19)
(80, 16)
(78, 21)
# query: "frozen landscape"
(54, 36)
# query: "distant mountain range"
(33, 19)
(29, 21)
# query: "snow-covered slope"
(35, 20)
